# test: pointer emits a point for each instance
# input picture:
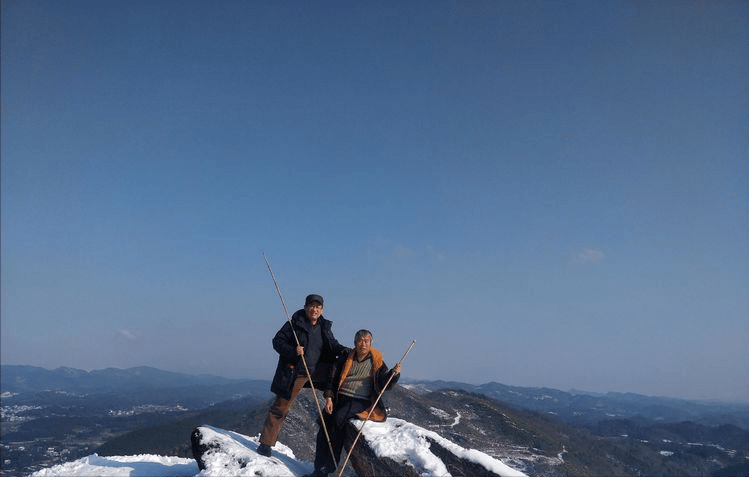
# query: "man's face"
(314, 311)
(363, 344)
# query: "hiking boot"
(317, 473)
(264, 450)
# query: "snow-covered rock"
(392, 448)
(399, 448)
(221, 453)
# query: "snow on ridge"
(440, 413)
(405, 442)
(235, 455)
(119, 466)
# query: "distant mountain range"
(536, 443)
(17, 379)
(575, 407)
(585, 409)
(53, 416)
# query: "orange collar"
(377, 362)
(378, 413)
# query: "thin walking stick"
(351, 449)
(304, 361)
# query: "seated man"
(358, 379)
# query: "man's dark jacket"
(290, 363)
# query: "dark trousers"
(344, 409)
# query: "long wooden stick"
(351, 449)
(304, 361)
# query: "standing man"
(360, 376)
(320, 350)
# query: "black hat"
(311, 298)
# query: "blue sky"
(539, 193)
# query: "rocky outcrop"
(201, 446)
(219, 452)
(395, 448)
(366, 463)
(458, 466)
(398, 447)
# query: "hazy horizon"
(538, 193)
(405, 379)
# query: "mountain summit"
(394, 448)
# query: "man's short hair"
(361, 333)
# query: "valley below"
(538, 431)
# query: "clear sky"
(539, 193)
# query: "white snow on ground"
(440, 413)
(560, 456)
(135, 466)
(405, 442)
(238, 457)
(445, 415)
(395, 438)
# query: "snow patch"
(440, 413)
(121, 466)
(238, 457)
(230, 454)
(405, 442)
